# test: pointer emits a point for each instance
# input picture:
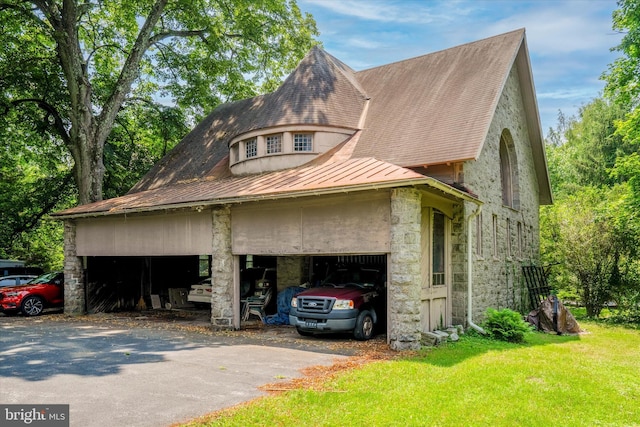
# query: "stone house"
(433, 167)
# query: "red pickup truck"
(348, 300)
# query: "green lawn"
(587, 380)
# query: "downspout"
(470, 272)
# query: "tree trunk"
(88, 133)
(89, 169)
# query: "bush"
(506, 325)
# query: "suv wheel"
(32, 306)
(364, 326)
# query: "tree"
(624, 73)
(623, 87)
(141, 136)
(588, 245)
(70, 70)
(34, 179)
(590, 230)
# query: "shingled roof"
(321, 91)
(433, 109)
(442, 103)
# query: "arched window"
(508, 171)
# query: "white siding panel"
(349, 224)
(265, 230)
(149, 235)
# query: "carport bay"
(141, 255)
(302, 237)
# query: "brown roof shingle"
(443, 102)
(322, 90)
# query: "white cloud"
(576, 93)
(563, 27)
(388, 11)
(364, 43)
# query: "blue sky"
(569, 41)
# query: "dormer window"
(302, 142)
(234, 154)
(251, 148)
(281, 147)
(274, 144)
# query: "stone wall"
(222, 270)
(291, 271)
(497, 278)
(459, 265)
(405, 280)
(74, 288)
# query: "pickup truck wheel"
(364, 326)
(303, 333)
(32, 306)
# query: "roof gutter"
(470, 271)
(431, 182)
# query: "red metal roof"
(349, 175)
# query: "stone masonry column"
(222, 270)
(74, 287)
(403, 293)
(290, 271)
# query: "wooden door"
(435, 270)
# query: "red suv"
(33, 297)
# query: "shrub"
(506, 325)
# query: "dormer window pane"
(302, 142)
(274, 144)
(251, 147)
(234, 154)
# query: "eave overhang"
(326, 179)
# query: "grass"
(587, 380)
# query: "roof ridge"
(344, 69)
(320, 59)
(474, 42)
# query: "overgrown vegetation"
(592, 231)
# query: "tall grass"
(587, 380)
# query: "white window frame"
(302, 142)
(274, 143)
(251, 148)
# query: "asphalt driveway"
(126, 373)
